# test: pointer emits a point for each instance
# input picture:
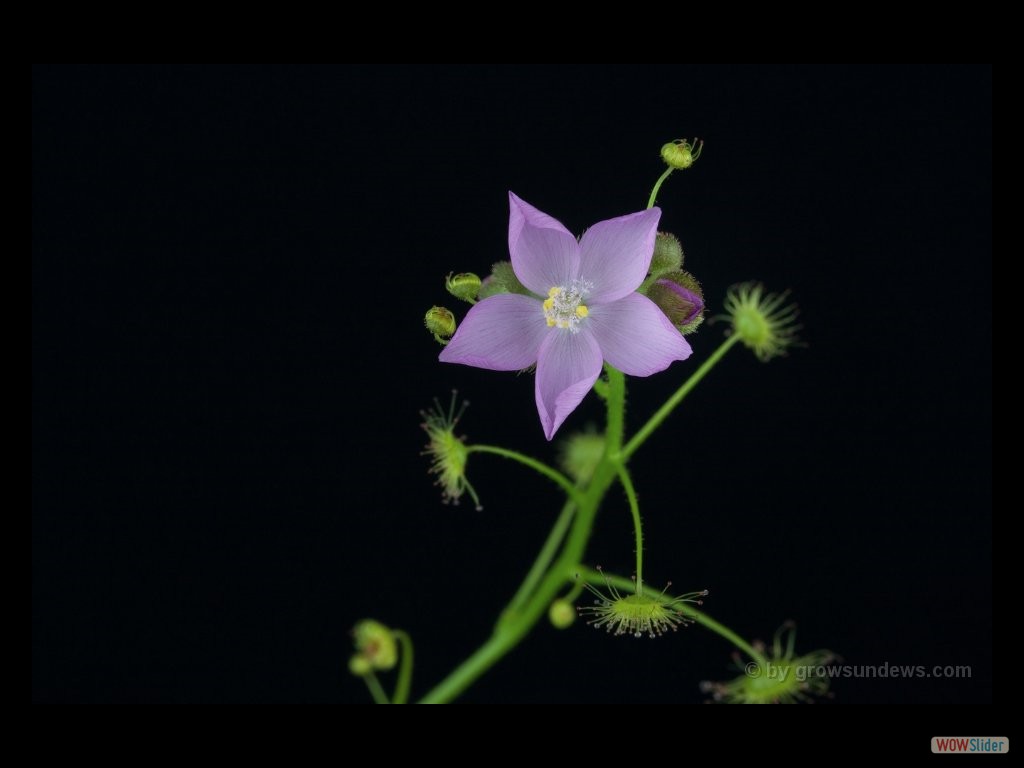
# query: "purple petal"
(616, 254)
(635, 336)
(544, 253)
(567, 367)
(501, 333)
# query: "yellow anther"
(563, 308)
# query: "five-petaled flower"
(586, 310)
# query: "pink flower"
(586, 310)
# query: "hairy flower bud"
(580, 455)
(679, 296)
(668, 254)
(681, 154)
(465, 286)
(441, 322)
(502, 280)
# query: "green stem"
(662, 413)
(540, 565)
(723, 631)
(648, 282)
(600, 579)
(616, 412)
(509, 633)
(538, 466)
(634, 508)
(405, 668)
(657, 186)
(376, 690)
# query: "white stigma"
(564, 307)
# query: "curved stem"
(634, 508)
(599, 579)
(544, 558)
(376, 689)
(463, 675)
(538, 466)
(662, 413)
(657, 186)
(723, 631)
(405, 669)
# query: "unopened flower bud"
(580, 455)
(490, 287)
(680, 154)
(441, 322)
(359, 665)
(668, 254)
(376, 648)
(465, 286)
(502, 279)
(679, 296)
(561, 614)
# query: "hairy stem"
(544, 558)
(538, 466)
(657, 186)
(634, 509)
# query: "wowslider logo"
(971, 745)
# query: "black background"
(230, 267)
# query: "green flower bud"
(681, 154)
(580, 455)
(441, 322)
(490, 287)
(376, 647)
(561, 614)
(359, 665)
(502, 280)
(679, 296)
(668, 254)
(464, 285)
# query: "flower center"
(564, 307)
